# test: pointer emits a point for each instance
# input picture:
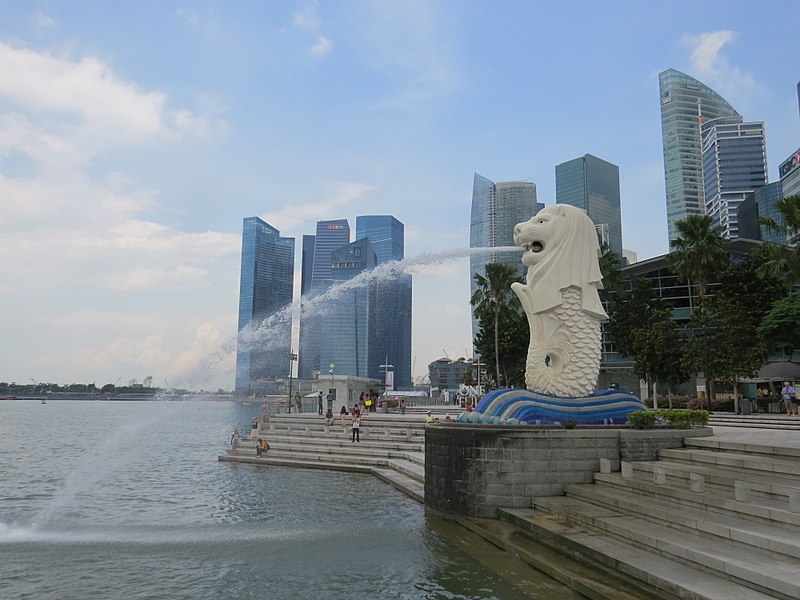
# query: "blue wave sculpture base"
(515, 406)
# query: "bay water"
(120, 500)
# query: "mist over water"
(118, 500)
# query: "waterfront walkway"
(716, 520)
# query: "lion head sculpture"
(561, 250)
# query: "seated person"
(261, 447)
(329, 416)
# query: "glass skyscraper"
(496, 209)
(393, 297)
(734, 165)
(592, 184)
(265, 294)
(348, 339)
(684, 101)
(330, 236)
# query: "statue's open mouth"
(535, 247)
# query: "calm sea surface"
(124, 500)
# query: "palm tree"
(699, 252)
(492, 297)
(610, 266)
(779, 260)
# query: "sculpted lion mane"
(561, 250)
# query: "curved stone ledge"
(473, 470)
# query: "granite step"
(342, 442)
(778, 538)
(714, 443)
(664, 575)
(760, 570)
(716, 498)
(740, 460)
(408, 468)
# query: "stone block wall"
(644, 444)
(474, 469)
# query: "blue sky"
(135, 136)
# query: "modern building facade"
(684, 102)
(330, 236)
(393, 295)
(734, 166)
(496, 209)
(592, 184)
(265, 297)
(347, 339)
(761, 205)
(789, 172)
(307, 263)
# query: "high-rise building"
(592, 184)
(330, 236)
(307, 264)
(393, 296)
(386, 235)
(348, 340)
(265, 292)
(685, 101)
(496, 209)
(734, 165)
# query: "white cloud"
(341, 195)
(708, 62)
(322, 46)
(43, 20)
(307, 19)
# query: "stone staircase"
(392, 447)
(758, 420)
(717, 519)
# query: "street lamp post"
(292, 358)
(330, 395)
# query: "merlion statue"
(564, 312)
(561, 301)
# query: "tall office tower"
(307, 264)
(496, 209)
(348, 341)
(734, 165)
(330, 236)
(392, 324)
(592, 184)
(684, 102)
(265, 289)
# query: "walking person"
(789, 398)
(356, 428)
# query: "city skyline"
(134, 138)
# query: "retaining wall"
(475, 469)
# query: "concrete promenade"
(716, 520)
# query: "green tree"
(699, 253)
(778, 260)
(494, 304)
(630, 312)
(611, 265)
(658, 349)
(780, 327)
